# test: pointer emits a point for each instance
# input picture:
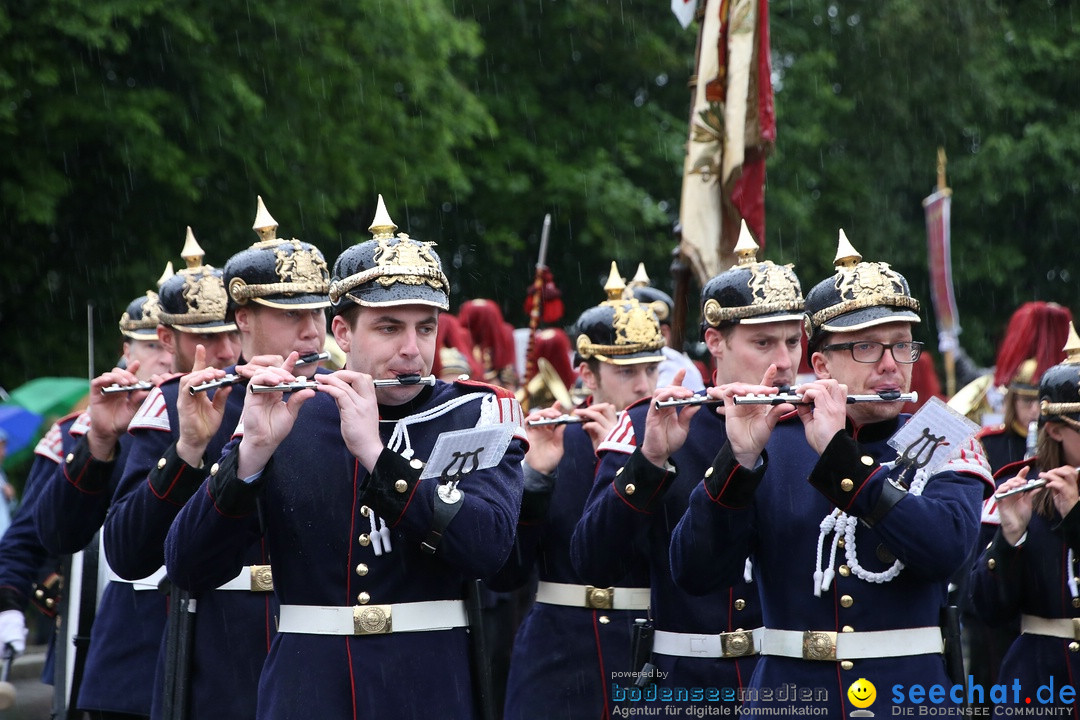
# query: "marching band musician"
(370, 555)
(751, 315)
(1029, 569)
(640, 286)
(853, 562)
(575, 634)
(274, 295)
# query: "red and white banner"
(939, 249)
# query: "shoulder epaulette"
(153, 414)
(502, 392)
(990, 430)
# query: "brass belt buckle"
(599, 598)
(737, 644)
(372, 620)
(262, 579)
(818, 645)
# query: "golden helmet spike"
(192, 253)
(846, 254)
(382, 226)
(265, 225)
(615, 284)
(1072, 346)
(745, 249)
(641, 278)
(166, 274)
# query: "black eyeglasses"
(868, 351)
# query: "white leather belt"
(372, 619)
(593, 598)
(1067, 628)
(827, 645)
(150, 582)
(739, 643)
(252, 578)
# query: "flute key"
(134, 387)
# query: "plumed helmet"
(140, 320)
(620, 330)
(194, 299)
(1059, 390)
(1036, 330)
(751, 292)
(860, 295)
(389, 270)
(641, 289)
(279, 273)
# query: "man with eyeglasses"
(854, 556)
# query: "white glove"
(13, 631)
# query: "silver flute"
(311, 385)
(229, 379)
(791, 398)
(561, 420)
(1031, 485)
(134, 387)
(312, 358)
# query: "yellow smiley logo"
(862, 693)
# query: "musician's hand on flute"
(110, 413)
(1062, 482)
(666, 428)
(199, 416)
(599, 419)
(354, 393)
(1014, 510)
(825, 413)
(545, 441)
(267, 420)
(750, 426)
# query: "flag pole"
(950, 356)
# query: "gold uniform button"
(416, 463)
(844, 570)
(846, 601)
(365, 539)
(401, 486)
(840, 543)
(847, 665)
(630, 488)
(361, 569)
(71, 456)
(846, 484)
(213, 469)
(160, 463)
(363, 598)
(39, 594)
(740, 604)
(847, 628)
(991, 563)
(604, 619)
(708, 473)
(1074, 646)
(1076, 602)
(867, 460)
(365, 510)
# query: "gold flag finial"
(265, 225)
(846, 254)
(615, 284)
(382, 226)
(166, 274)
(192, 253)
(746, 249)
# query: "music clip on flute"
(229, 379)
(561, 420)
(1028, 487)
(134, 387)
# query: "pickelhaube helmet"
(140, 320)
(1059, 391)
(278, 273)
(860, 295)
(751, 292)
(640, 288)
(194, 299)
(620, 330)
(389, 270)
